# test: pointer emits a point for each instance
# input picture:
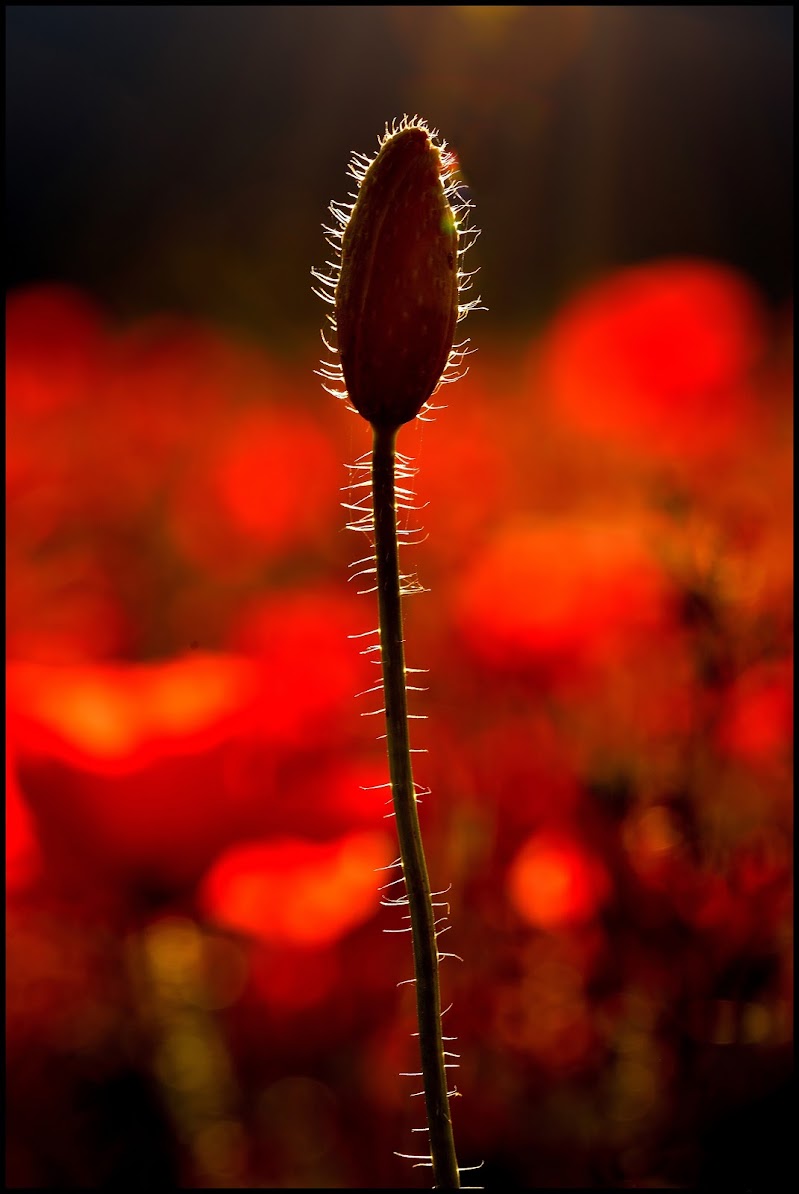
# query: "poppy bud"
(396, 297)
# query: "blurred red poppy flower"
(563, 592)
(757, 723)
(168, 386)
(268, 480)
(464, 481)
(657, 359)
(302, 640)
(151, 771)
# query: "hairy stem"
(417, 883)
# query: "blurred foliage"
(199, 990)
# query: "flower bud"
(396, 299)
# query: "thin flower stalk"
(396, 290)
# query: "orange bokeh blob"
(295, 891)
(116, 718)
(553, 882)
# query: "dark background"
(182, 157)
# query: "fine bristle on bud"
(396, 295)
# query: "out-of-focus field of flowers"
(200, 991)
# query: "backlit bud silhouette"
(397, 287)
